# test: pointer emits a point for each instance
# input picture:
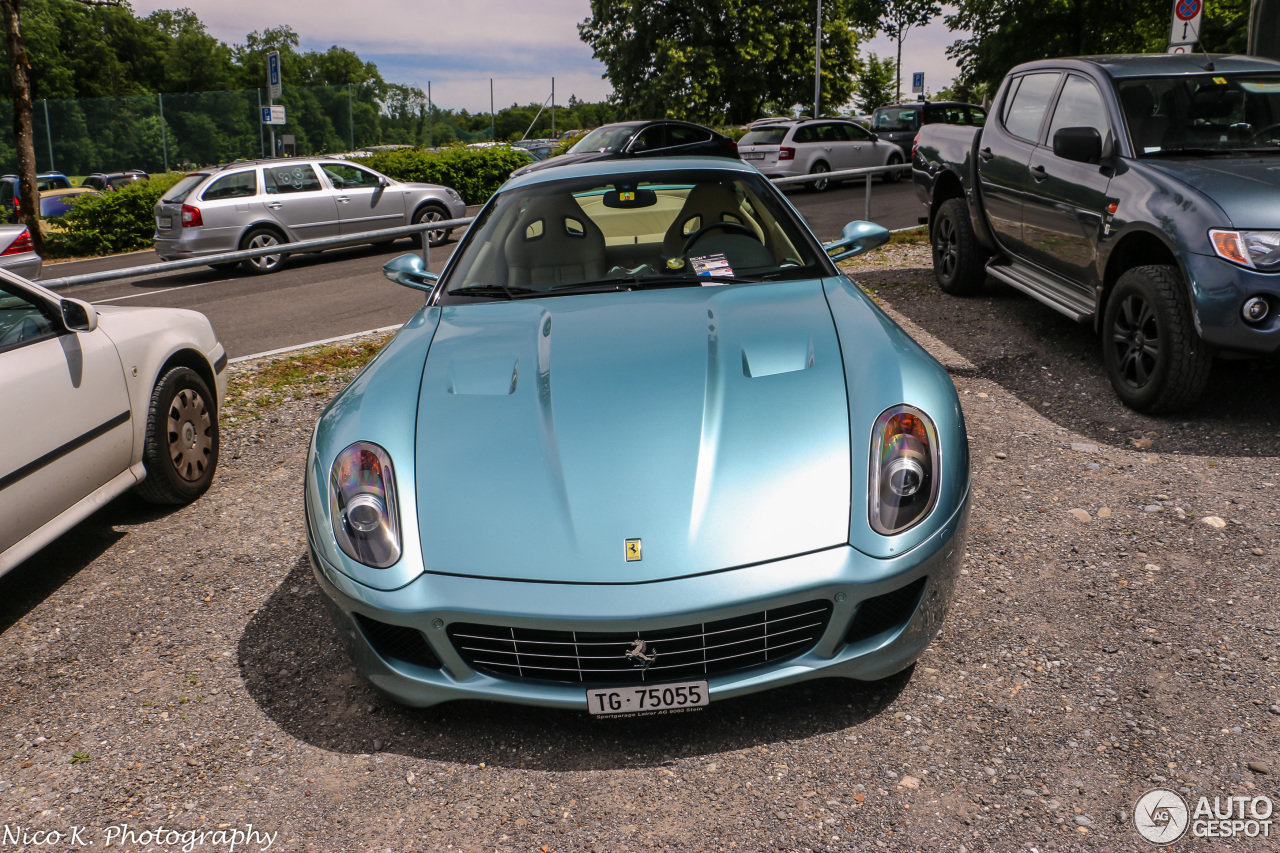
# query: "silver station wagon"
(253, 204)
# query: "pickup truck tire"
(1155, 359)
(959, 263)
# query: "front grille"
(396, 642)
(885, 612)
(690, 651)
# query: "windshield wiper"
(1183, 152)
(640, 282)
(482, 289)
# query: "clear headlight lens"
(1259, 250)
(363, 506)
(904, 475)
(453, 193)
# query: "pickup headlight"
(904, 469)
(363, 507)
(1257, 250)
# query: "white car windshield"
(676, 228)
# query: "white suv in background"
(782, 148)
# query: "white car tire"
(181, 448)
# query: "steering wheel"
(1259, 133)
(711, 226)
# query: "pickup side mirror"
(858, 237)
(409, 271)
(1079, 144)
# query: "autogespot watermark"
(1163, 817)
(128, 837)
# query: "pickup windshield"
(1213, 113)
(657, 228)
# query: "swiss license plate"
(753, 155)
(165, 222)
(648, 699)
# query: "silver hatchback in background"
(783, 148)
(256, 204)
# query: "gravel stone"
(1260, 767)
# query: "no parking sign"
(1185, 31)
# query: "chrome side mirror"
(79, 316)
(410, 271)
(857, 237)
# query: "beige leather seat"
(554, 242)
(706, 203)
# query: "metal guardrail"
(384, 234)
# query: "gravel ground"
(1115, 631)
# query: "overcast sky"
(458, 46)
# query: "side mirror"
(1078, 144)
(79, 316)
(383, 181)
(857, 238)
(410, 271)
(875, 137)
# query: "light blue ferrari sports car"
(643, 448)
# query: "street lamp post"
(817, 62)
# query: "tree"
(872, 87)
(717, 60)
(1004, 33)
(894, 18)
(23, 121)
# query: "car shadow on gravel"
(34, 580)
(296, 670)
(1055, 366)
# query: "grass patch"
(317, 372)
(915, 236)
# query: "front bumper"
(841, 575)
(1219, 290)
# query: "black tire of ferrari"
(164, 484)
(963, 272)
(1183, 361)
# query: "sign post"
(1185, 30)
(272, 114)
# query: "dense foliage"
(476, 173)
(97, 74)
(1004, 33)
(715, 61)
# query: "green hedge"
(476, 173)
(120, 221)
(124, 221)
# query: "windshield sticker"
(709, 265)
(1221, 81)
(1259, 88)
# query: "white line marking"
(165, 290)
(338, 339)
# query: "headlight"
(363, 506)
(904, 469)
(1259, 250)
(453, 193)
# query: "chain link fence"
(157, 133)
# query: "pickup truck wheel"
(1156, 361)
(892, 177)
(958, 262)
(821, 184)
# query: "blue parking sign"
(917, 81)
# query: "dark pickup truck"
(1137, 193)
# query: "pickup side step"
(1052, 291)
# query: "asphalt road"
(342, 291)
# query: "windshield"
(1199, 114)
(891, 119)
(610, 139)
(179, 191)
(764, 136)
(653, 229)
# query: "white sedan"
(95, 401)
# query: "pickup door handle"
(986, 154)
(274, 205)
(1039, 173)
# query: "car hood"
(1244, 189)
(710, 423)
